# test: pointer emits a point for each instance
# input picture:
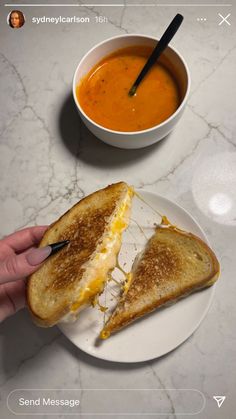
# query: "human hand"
(19, 258)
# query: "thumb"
(18, 266)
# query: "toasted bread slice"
(70, 279)
(174, 264)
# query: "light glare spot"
(220, 204)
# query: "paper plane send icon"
(219, 400)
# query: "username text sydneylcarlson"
(60, 19)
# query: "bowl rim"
(130, 133)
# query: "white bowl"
(134, 139)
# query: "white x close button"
(224, 19)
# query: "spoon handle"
(162, 44)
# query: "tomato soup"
(103, 92)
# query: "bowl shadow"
(82, 144)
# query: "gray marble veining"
(49, 160)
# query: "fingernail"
(58, 246)
(38, 255)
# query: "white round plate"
(160, 332)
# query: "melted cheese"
(104, 334)
(145, 202)
(95, 302)
(104, 261)
(164, 220)
(129, 276)
(128, 282)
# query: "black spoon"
(162, 44)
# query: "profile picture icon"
(16, 19)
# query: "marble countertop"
(49, 160)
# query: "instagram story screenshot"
(118, 209)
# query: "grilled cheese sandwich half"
(70, 280)
(173, 264)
